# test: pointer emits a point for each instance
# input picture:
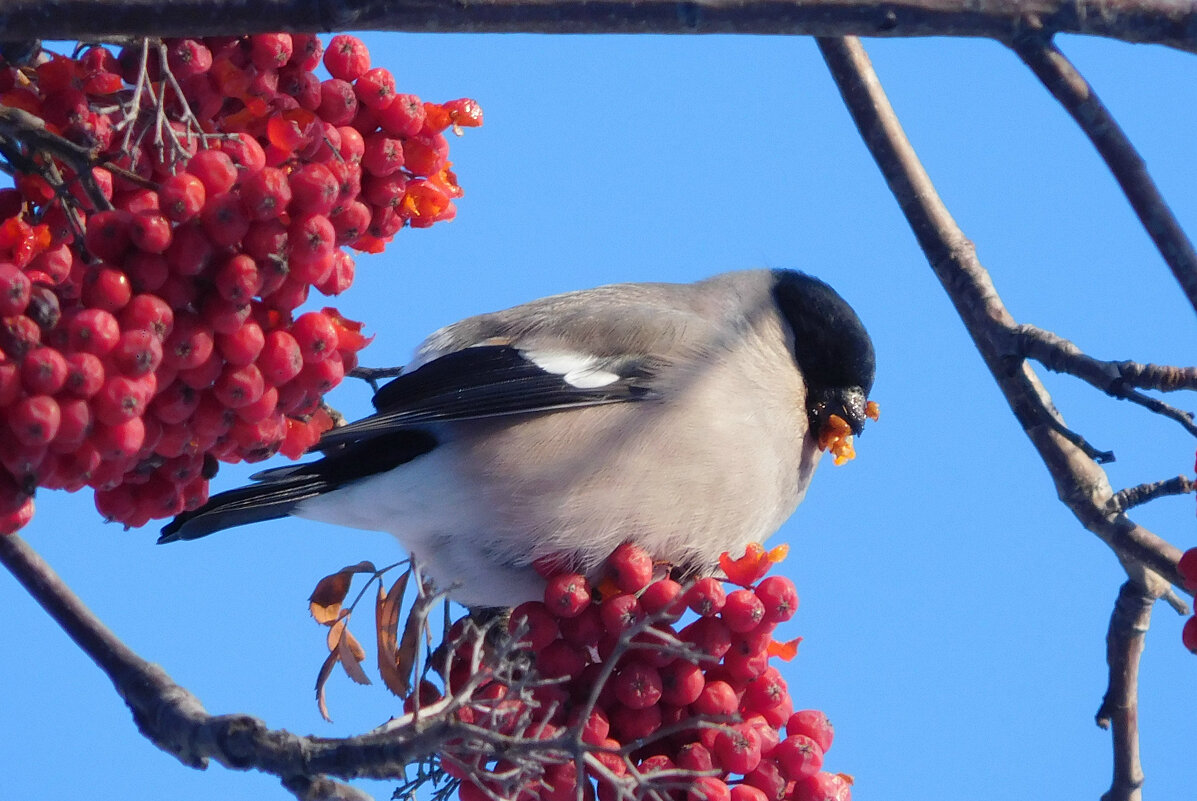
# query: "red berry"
(215, 170)
(798, 757)
(746, 792)
(631, 567)
(321, 377)
(148, 312)
(631, 724)
(119, 399)
(14, 290)
(540, 628)
(768, 779)
(312, 239)
(375, 88)
(137, 352)
(189, 345)
(239, 386)
(85, 374)
(224, 219)
(150, 231)
(708, 788)
(743, 611)
(281, 358)
(346, 57)
(93, 331)
(383, 154)
(823, 787)
(716, 698)
(247, 155)
(403, 116)
(338, 102)
(316, 336)
(738, 749)
(243, 346)
(766, 691)
(637, 685)
(16, 520)
(34, 420)
(1188, 634)
(814, 724)
(560, 659)
(681, 683)
(1188, 568)
(44, 371)
(107, 289)
(663, 597)
(269, 51)
(119, 441)
(313, 189)
(190, 251)
(188, 57)
(266, 194)
(181, 197)
(567, 595)
(779, 597)
(706, 596)
(620, 612)
(107, 235)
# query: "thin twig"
(1134, 496)
(1076, 95)
(1062, 356)
(1120, 707)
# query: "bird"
(682, 417)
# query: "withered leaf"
(386, 623)
(325, 601)
(348, 650)
(325, 671)
(409, 646)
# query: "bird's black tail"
(278, 491)
(269, 500)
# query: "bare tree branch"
(1166, 22)
(1080, 482)
(175, 720)
(1076, 95)
(1120, 707)
(1062, 356)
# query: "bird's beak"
(847, 403)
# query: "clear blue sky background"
(953, 611)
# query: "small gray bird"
(682, 417)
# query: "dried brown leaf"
(409, 646)
(351, 654)
(325, 601)
(325, 671)
(386, 622)
(336, 630)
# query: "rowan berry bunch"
(647, 688)
(174, 204)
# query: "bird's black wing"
(489, 381)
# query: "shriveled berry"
(637, 685)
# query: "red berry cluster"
(148, 305)
(624, 681)
(1188, 572)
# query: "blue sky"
(953, 611)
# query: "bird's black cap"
(831, 347)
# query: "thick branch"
(1165, 22)
(1076, 95)
(175, 720)
(1120, 707)
(1081, 483)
